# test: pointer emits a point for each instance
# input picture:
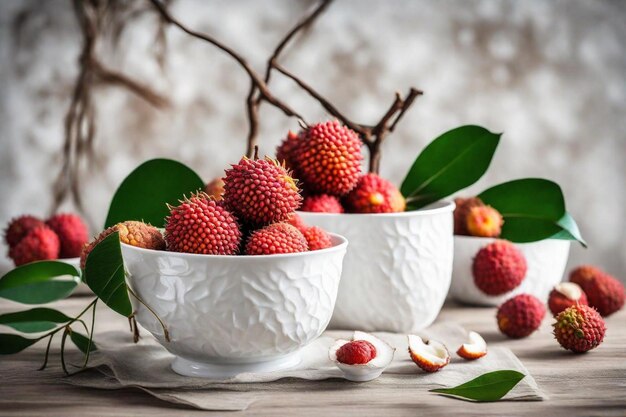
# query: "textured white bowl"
(232, 314)
(545, 259)
(397, 270)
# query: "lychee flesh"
(520, 316)
(19, 227)
(322, 203)
(579, 328)
(476, 347)
(72, 233)
(564, 295)
(603, 291)
(356, 352)
(277, 238)
(430, 356)
(39, 244)
(260, 191)
(498, 268)
(374, 194)
(317, 238)
(484, 221)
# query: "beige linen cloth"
(121, 364)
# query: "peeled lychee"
(476, 347)
(132, 233)
(72, 233)
(565, 295)
(374, 194)
(356, 352)
(286, 149)
(498, 268)
(463, 206)
(431, 356)
(260, 191)
(317, 238)
(484, 221)
(39, 244)
(604, 292)
(322, 203)
(202, 225)
(19, 227)
(215, 189)
(276, 238)
(520, 316)
(328, 158)
(579, 328)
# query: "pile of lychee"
(31, 239)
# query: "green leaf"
(39, 282)
(533, 209)
(488, 387)
(104, 274)
(145, 191)
(82, 342)
(451, 162)
(12, 343)
(34, 320)
(569, 230)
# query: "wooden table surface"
(585, 385)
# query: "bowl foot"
(187, 367)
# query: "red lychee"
(260, 191)
(579, 328)
(328, 158)
(19, 227)
(322, 203)
(72, 233)
(498, 268)
(463, 206)
(484, 221)
(285, 151)
(356, 352)
(276, 238)
(297, 222)
(520, 316)
(317, 238)
(604, 292)
(565, 295)
(374, 194)
(201, 225)
(39, 244)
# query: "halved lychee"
(431, 356)
(474, 349)
(379, 357)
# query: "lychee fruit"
(276, 238)
(202, 225)
(322, 203)
(296, 221)
(260, 191)
(463, 206)
(39, 244)
(374, 194)
(328, 158)
(431, 355)
(476, 347)
(579, 328)
(520, 316)
(565, 295)
(132, 233)
(484, 221)
(72, 233)
(19, 227)
(215, 189)
(498, 268)
(604, 292)
(285, 151)
(317, 238)
(356, 352)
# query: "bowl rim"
(441, 206)
(340, 243)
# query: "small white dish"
(367, 371)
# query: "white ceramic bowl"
(397, 270)
(545, 259)
(232, 314)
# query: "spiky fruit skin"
(19, 227)
(297, 222)
(605, 293)
(328, 158)
(356, 352)
(132, 233)
(260, 191)
(322, 203)
(275, 239)
(287, 148)
(484, 221)
(579, 328)
(463, 206)
(203, 226)
(72, 233)
(374, 194)
(317, 238)
(520, 316)
(215, 189)
(498, 268)
(39, 244)
(558, 301)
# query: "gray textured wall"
(550, 74)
